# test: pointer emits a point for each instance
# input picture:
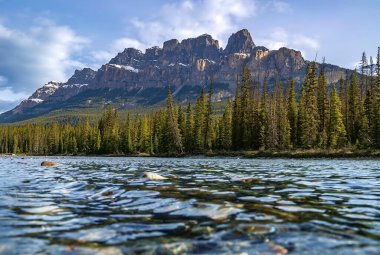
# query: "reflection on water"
(211, 206)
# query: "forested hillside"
(347, 116)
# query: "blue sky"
(47, 40)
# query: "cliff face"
(135, 78)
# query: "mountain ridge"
(142, 78)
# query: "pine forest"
(318, 116)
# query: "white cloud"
(7, 94)
(116, 46)
(30, 58)
(7, 105)
(181, 20)
(281, 6)
(3, 81)
(274, 40)
(126, 42)
(354, 65)
(305, 41)
(280, 37)
(186, 19)
(8, 98)
(101, 56)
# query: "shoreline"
(290, 154)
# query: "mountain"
(133, 78)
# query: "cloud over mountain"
(40, 53)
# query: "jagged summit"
(128, 56)
(135, 78)
(240, 42)
(82, 76)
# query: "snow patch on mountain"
(74, 85)
(125, 67)
(36, 100)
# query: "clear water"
(208, 206)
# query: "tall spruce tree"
(292, 114)
(109, 130)
(363, 76)
(189, 129)
(181, 121)
(308, 110)
(200, 121)
(173, 136)
(322, 104)
(336, 129)
(283, 125)
(353, 111)
(263, 117)
(236, 119)
(376, 106)
(207, 141)
(225, 128)
(245, 109)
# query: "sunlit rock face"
(134, 77)
(240, 42)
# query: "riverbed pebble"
(48, 163)
(153, 176)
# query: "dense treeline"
(346, 116)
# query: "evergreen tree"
(53, 139)
(127, 138)
(283, 125)
(353, 111)
(173, 136)
(263, 120)
(181, 121)
(236, 120)
(200, 123)
(363, 76)
(336, 129)
(292, 114)
(109, 131)
(207, 141)
(272, 132)
(225, 127)
(144, 136)
(308, 117)
(376, 107)
(15, 144)
(84, 139)
(301, 120)
(322, 104)
(189, 141)
(245, 109)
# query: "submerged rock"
(279, 249)
(153, 176)
(48, 163)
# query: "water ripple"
(214, 206)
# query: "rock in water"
(154, 176)
(48, 163)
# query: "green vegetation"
(323, 121)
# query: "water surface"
(213, 206)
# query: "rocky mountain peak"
(133, 78)
(202, 40)
(201, 47)
(45, 91)
(126, 57)
(153, 53)
(240, 42)
(82, 76)
(170, 45)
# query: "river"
(103, 205)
